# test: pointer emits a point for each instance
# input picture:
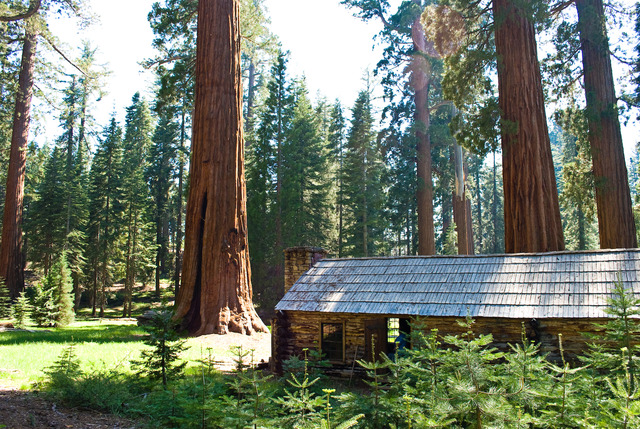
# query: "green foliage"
(326, 422)
(53, 301)
(300, 405)
(575, 182)
(5, 301)
(21, 310)
(450, 245)
(105, 214)
(362, 188)
(478, 395)
(136, 226)
(100, 389)
(455, 381)
(564, 406)
(63, 373)
(161, 361)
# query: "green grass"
(24, 355)
(98, 344)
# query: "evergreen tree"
(48, 214)
(337, 137)
(494, 238)
(503, 39)
(488, 205)
(60, 207)
(305, 181)
(105, 214)
(31, 23)
(53, 303)
(161, 170)
(264, 183)
(410, 70)
(5, 301)
(216, 221)
(577, 199)
(161, 361)
(9, 67)
(364, 196)
(135, 197)
(400, 214)
(21, 310)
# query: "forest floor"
(29, 409)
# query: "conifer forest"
(485, 127)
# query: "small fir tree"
(161, 361)
(476, 390)
(53, 302)
(301, 406)
(21, 310)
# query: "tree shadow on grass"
(103, 333)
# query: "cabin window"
(393, 329)
(397, 334)
(332, 344)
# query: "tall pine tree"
(135, 198)
(105, 214)
(364, 196)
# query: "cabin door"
(375, 337)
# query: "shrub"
(104, 389)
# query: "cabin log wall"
(303, 331)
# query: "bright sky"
(327, 45)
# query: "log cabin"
(339, 305)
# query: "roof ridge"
(490, 255)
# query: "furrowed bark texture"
(215, 296)
(616, 225)
(11, 258)
(531, 209)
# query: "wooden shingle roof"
(541, 285)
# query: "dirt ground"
(24, 409)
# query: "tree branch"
(62, 54)
(624, 61)
(440, 104)
(161, 61)
(34, 6)
(560, 7)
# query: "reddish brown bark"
(11, 258)
(420, 82)
(616, 225)
(215, 296)
(531, 209)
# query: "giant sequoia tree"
(506, 39)
(11, 259)
(532, 211)
(216, 294)
(615, 216)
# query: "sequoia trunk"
(462, 205)
(215, 296)
(11, 258)
(615, 214)
(420, 82)
(531, 209)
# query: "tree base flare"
(245, 322)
